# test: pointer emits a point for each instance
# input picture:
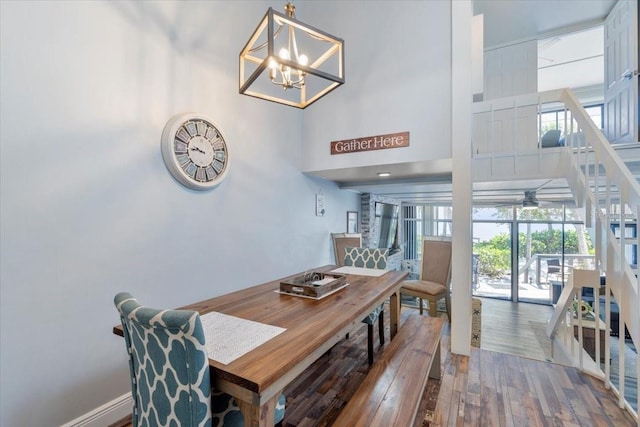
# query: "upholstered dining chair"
(435, 277)
(169, 367)
(369, 258)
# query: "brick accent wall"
(370, 235)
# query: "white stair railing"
(504, 148)
(606, 189)
(569, 324)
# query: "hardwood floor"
(509, 327)
(505, 383)
(496, 389)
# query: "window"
(412, 230)
(442, 220)
(555, 119)
(424, 220)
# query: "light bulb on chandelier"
(286, 80)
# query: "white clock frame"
(180, 163)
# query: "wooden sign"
(370, 143)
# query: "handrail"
(577, 280)
(623, 178)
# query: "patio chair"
(553, 267)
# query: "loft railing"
(507, 138)
(507, 141)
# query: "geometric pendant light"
(289, 62)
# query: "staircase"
(604, 187)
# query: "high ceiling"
(505, 22)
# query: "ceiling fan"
(529, 200)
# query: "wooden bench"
(392, 390)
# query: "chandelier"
(299, 63)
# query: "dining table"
(300, 330)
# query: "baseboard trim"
(106, 414)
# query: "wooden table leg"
(249, 412)
(394, 313)
(259, 416)
(434, 372)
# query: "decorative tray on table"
(313, 284)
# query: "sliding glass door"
(551, 242)
(527, 254)
(518, 254)
(492, 253)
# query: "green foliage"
(492, 261)
(550, 242)
(494, 255)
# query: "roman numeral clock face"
(195, 151)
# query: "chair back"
(553, 265)
(436, 259)
(169, 365)
(366, 257)
(342, 241)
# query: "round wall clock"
(195, 151)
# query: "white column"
(461, 98)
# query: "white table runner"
(230, 337)
(360, 271)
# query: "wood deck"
(489, 388)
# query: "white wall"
(511, 70)
(477, 55)
(398, 78)
(88, 208)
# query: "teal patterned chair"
(369, 258)
(170, 382)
